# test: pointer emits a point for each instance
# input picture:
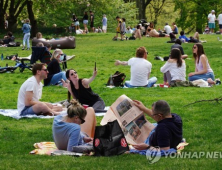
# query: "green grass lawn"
(201, 121)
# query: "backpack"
(117, 79)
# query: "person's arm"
(28, 99)
(166, 66)
(203, 60)
(140, 105)
(86, 82)
(118, 62)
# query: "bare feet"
(210, 81)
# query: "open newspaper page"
(135, 126)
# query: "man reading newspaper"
(141, 133)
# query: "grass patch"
(201, 121)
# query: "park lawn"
(201, 121)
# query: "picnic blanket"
(14, 114)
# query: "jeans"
(150, 83)
(56, 79)
(202, 76)
(26, 40)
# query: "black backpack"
(117, 79)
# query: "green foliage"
(201, 121)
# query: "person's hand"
(57, 108)
(139, 104)
(94, 73)
(87, 139)
(191, 74)
(141, 146)
(117, 62)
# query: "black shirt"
(168, 132)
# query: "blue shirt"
(26, 28)
(104, 21)
(66, 135)
(184, 37)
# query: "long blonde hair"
(55, 54)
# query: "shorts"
(85, 22)
(211, 25)
(220, 26)
(104, 28)
(27, 111)
(76, 23)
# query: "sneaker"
(218, 82)
(28, 49)
(23, 48)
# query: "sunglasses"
(194, 47)
(147, 53)
(45, 70)
(73, 73)
(82, 120)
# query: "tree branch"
(210, 100)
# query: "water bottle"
(2, 57)
(111, 81)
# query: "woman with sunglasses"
(81, 91)
(202, 66)
(74, 129)
(175, 68)
(55, 75)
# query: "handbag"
(116, 79)
(109, 140)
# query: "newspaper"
(135, 126)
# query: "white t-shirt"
(167, 29)
(30, 84)
(140, 68)
(211, 18)
(177, 73)
(220, 19)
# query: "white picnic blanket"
(14, 114)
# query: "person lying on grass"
(74, 129)
(168, 132)
(31, 91)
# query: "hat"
(212, 11)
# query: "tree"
(33, 21)
(3, 7)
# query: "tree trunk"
(33, 21)
(140, 4)
(2, 21)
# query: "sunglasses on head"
(73, 73)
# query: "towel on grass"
(14, 114)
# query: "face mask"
(61, 57)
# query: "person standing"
(85, 21)
(92, 21)
(211, 21)
(140, 69)
(26, 28)
(104, 21)
(220, 22)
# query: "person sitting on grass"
(137, 32)
(202, 66)
(39, 36)
(8, 38)
(81, 90)
(31, 91)
(168, 132)
(175, 68)
(56, 75)
(178, 45)
(140, 69)
(74, 129)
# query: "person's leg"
(42, 108)
(202, 76)
(24, 41)
(90, 122)
(151, 81)
(196, 35)
(127, 84)
(99, 105)
(27, 40)
(57, 77)
(168, 77)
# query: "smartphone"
(95, 66)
